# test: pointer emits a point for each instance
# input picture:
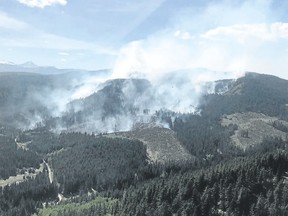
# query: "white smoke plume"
(231, 36)
(220, 40)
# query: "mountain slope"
(28, 98)
(254, 92)
(117, 105)
(162, 144)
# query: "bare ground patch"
(162, 144)
(20, 177)
(252, 128)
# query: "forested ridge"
(104, 174)
(254, 92)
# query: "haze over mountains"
(93, 135)
(97, 102)
(89, 100)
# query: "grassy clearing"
(100, 203)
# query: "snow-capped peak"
(28, 64)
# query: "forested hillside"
(194, 166)
(254, 92)
(98, 163)
(245, 186)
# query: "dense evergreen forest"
(13, 158)
(72, 173)
(97, 162)
(27, 197)
(245, 186)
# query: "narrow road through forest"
(50, 172)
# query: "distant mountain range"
(30, 67)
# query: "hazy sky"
(150, 36)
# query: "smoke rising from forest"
(201, 45)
